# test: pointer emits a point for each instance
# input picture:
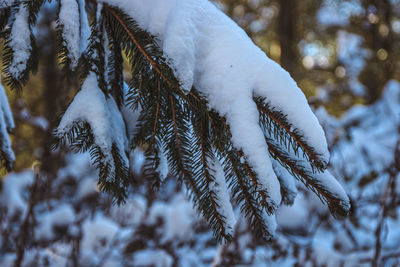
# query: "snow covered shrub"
(202, 97)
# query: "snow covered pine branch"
(226, 118)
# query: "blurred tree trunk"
(379, 38)
(287, 21)
(53, 94)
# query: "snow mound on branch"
(100, 235)
(6, 126)
(20, 42)
(69, 18)
(91, 106)
(5, 109)
(85, 28)
(62, 216)
(210, 51)
(14, 191)
(178, 218)
(153, 257)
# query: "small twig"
(25, 227)
(390, 187)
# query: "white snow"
(137, 160)
(62, 215)
(5, 108)
(219, 187)
(90, 105)
(270, 222)
(329, 182)
(85, 28)
(369, 146)
(156, 258)
(15, 187)
(162, 168)
(6, 3)
(87, 187)
(207, 49)
(350, 52)
(20, 42)
(178, 218)
(69, 18)
(130, 115)
(337, 13)
(39, 121)
(6, 125)
(131, 213)
(99, 235)
(286, 180)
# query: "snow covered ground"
(74, 222)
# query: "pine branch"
(34, 8)
(15, 76)
(6, 159)
(157, 112)
(265, 203)
(121, 18)
(115, 68)
(63, 52)
(5, 14)
(243, 188)
(215, 219)
(177, 154)
(277, 125)
(338, 206)
(113, 174)
(150, 167)
(288, 187)
(244, 193)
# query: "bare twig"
(385, 204)
(22, 237)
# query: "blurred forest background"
(344, 55)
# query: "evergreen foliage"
(178, 125)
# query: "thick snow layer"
(84, 26)
(162, 168)
(20, 42)
(6, 3)
(178, 218)
(69, 18)
(5, 108)
(87, 187)
(286, 180)
(219, 187)
(208, 50)
(62, 216)
(337, 13)
(270, 222)
(137, 160)
(368, 135)
(329, 183)
(156, 258)
(6, 126)
(15, 187)
(100, 236)
(132, 213)
(79, 166)
(5, 148)
(90, 105)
